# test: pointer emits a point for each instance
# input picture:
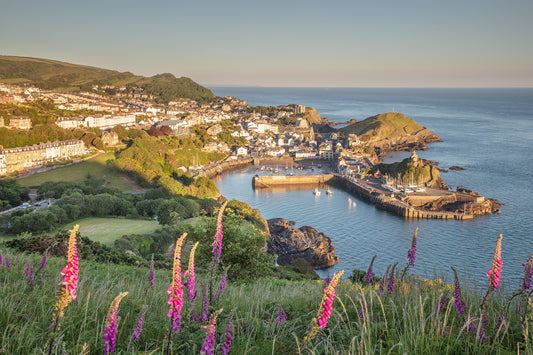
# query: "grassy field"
(95, 167)
(107, 230)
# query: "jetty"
(370, 191)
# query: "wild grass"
(363, 321)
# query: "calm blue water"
(487, 131)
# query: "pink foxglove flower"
(327, 300)
(110, 330)
(209, 343)
(217, 242)
(70, 273)
(190, 272)
(175, 289)
(495, 272)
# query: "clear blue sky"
(379, 43)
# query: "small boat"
(316, 192)
(329, 192)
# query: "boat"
(316, 192)
(329, 192)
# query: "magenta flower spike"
(7, 262)
(110, 330)
(217, 242)
(175, 289)
(411, 253)
(494, 273)
(329, 294)
(190, 273)
(0, 259)
(209, 344)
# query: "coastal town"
(287, 132)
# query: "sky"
(294, 43)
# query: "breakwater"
(391, 204)
(277, 180)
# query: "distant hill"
(391, 132)
(55, 75)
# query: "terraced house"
(21, 158)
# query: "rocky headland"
(291, 243)
(390, 132)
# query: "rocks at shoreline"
(291, 243)
(456, 168)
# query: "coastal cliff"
(291, 243)
(391, 131)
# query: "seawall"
(387, 203)
(276, 180)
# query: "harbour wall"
(276, 180)
(390, 204)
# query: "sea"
(489, 132)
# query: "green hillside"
(55, 75)
(383, 125)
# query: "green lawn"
(107, 230)
(96, 167)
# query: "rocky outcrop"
(391, 131)
(464, 201)
(291, 243)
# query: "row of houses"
(22, 158)
(102, 122)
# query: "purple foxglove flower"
(384, 281)
(7, 262)
(140, 319)
(411, 253)
(442, 303)
(227, 338)
(368, 276)
(27, 270)
(392, 279)
(43, 262)
(151, 276)
(222, 286)
(459, 303)
(528, 273)
(282, 316)
(205, 314)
